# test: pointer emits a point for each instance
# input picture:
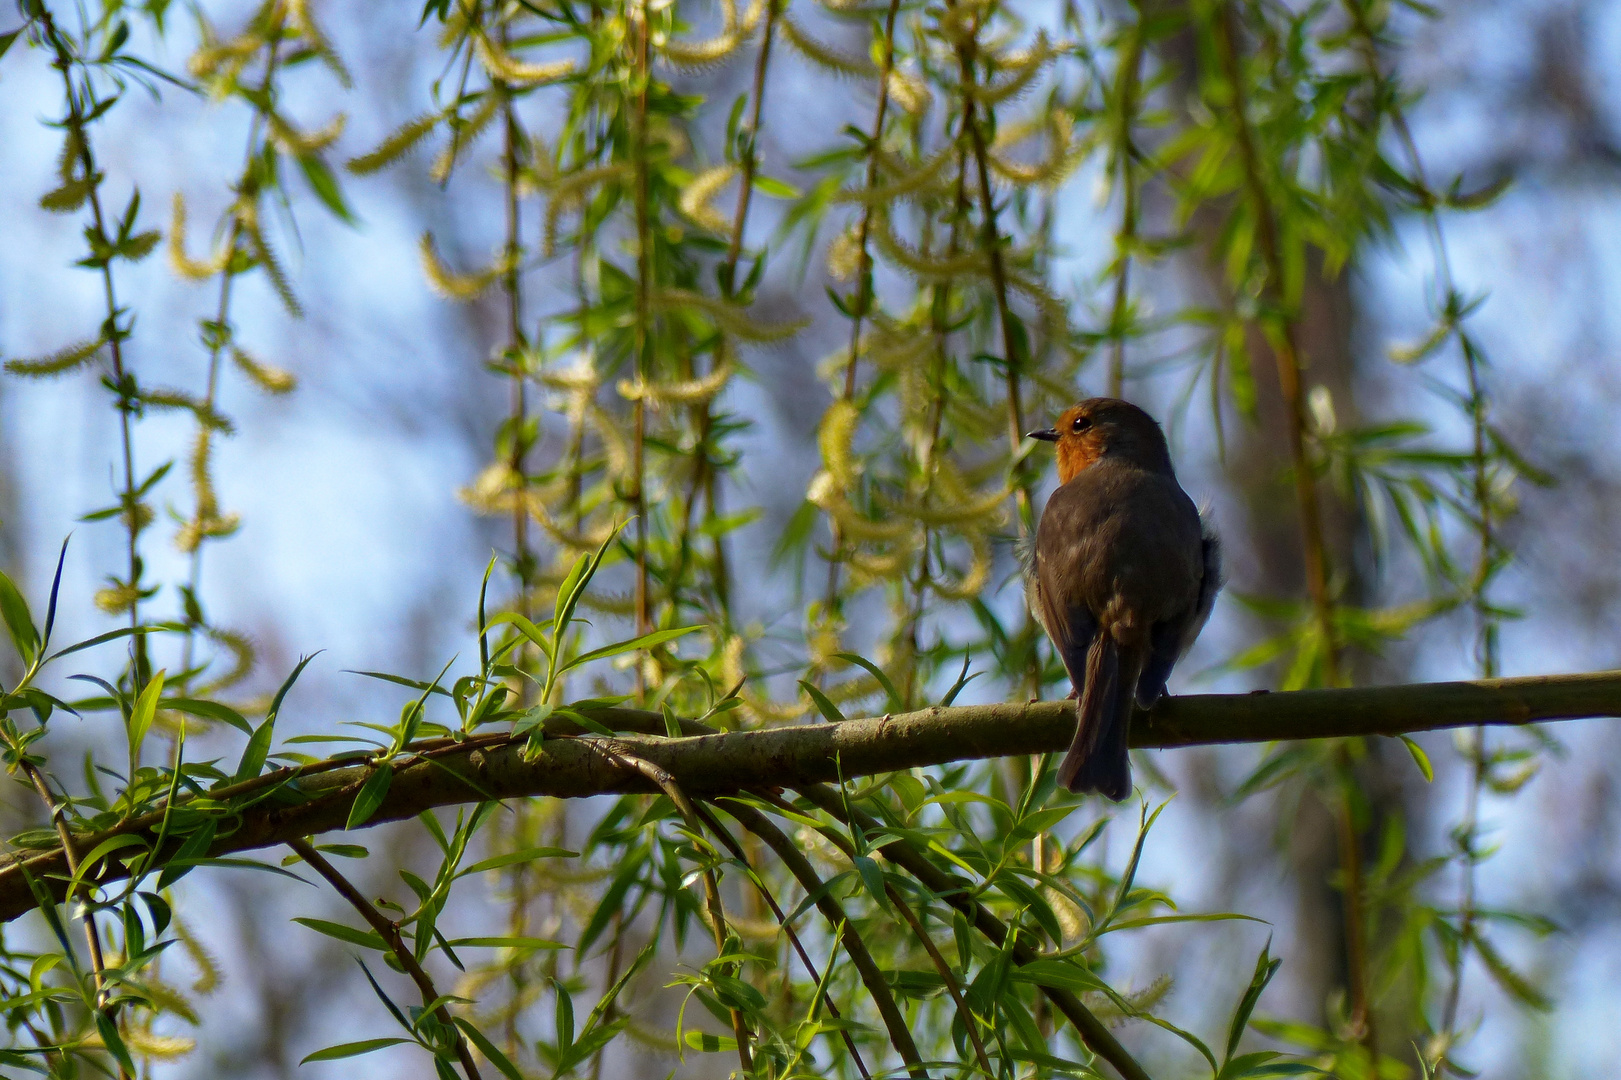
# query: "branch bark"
(704, 765)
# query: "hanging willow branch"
(292, 803)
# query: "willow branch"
(706, 764)
(389, 931)
(738, 853)
(947, 976)
(900, 1036)
(1093, 1033)
(717, 912)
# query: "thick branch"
(711, 764)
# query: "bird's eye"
(1080, 424)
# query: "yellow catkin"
(835, 439)
(682, 392)
(972, 582)
(454, 286)
(163, 1047)
(824, 492)
(60, 362)
(910, 92)
(697, 195)
(183, 264)
(824, 56)
(728, 317)
(502, 65)
(272, 380)
(921, 263)
(1060, 161)
(395, 145)
(571, 190)
(844, 255)
(471, 129)
(909, 181)
(697, 55)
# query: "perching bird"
(1123, 579)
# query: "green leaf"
(371, 795)
(325, 186)
(351, 1049)
(1265, 968)
(1059, 975)
(140, 717)
(709, 1044)
(508, 943)
(777, 189)
(825, 704)
(1420, 758)
(535, 634)
(527, 855)
(210, 710)
(488, 1049)
(895, 703)
(646, 641)
(257, 751)
(18, 620)
(114, 1042)
(367, 939)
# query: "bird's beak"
(1045, 435)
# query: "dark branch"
(709, 764)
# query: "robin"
(1124, 576)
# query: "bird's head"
(1105, 427)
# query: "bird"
(1122, 576)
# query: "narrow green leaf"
(709, 1044)
(210, 710)
(895, 703)
(646, 641)
(325, 186)
(141, 717)
(1265, 968)
(507, 943)
(371, 795)
(825, 704)
(488, 1049)
(1420, 758)
(367, 939)
(352, 1049)
(511, 857)
(18, 620)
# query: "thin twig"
(112, 333)
(717, 913)
(1093, 1033)
(900, 1035)
(730, 841)
(641, 77)
(970, 1024)
(1013, 352)
(1125, 242)
(389, 931)
(1313, 543)
(864, 291)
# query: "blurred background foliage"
(307, 308)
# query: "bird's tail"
(1097, 759)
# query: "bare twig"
(717, 913)
(741, 856)
(900, 1036)
(389, 931)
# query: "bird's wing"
(1170, 641)
(1069, 623)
